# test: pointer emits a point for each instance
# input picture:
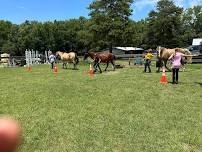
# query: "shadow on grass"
(199, 83)
(70, 69)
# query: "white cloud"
(140, 4)
(194, 2)
(179, 2)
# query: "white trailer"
(197, 41)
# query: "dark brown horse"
(100, 57)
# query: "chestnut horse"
(68, 58)
(164, 54)
(100, 57)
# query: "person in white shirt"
(52, 59)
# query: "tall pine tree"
(165, 24)
(110, 18)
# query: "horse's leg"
(95, 66)
(74, 66)
(66, 65)
(75, 63)
(107, 66)
(158, 70)
(99, 67)
(158, 66)
(165, 62)
(113, 64)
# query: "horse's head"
(86, 55)
(58, 55)
(158, 49)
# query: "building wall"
(122, 52)
(118, 52)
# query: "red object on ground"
(163, 78)
(10, 134)
(90, 72)
(55, 69)
(29, 68)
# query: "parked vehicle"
(196, 49)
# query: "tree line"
(109, 25)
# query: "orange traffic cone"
(29, 68)
(55, 69)
(163, 78)
(90, 72)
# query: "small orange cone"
(90, 72)
(163, 78)
(29, 68)
(55, 70)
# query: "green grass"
(122, 111)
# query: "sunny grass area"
(126, 110)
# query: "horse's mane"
(183, 50)
(160, 50)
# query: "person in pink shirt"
(176, 64)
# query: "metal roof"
(129, 48)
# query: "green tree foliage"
(164, 24)
(110, 20)
(11, 44)
(109, 25)
(192, 24)
(5, 28)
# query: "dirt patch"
(111, 72)
(187, 147)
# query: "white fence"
(31, 57)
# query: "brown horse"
(163, 54)
(68, 58)
(101, 57)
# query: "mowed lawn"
(122, 111)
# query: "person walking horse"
(165, 53)
(101, 57)
(52, 59)
(176, 58)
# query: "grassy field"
(122, 111)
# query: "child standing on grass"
(176, 64)
(148, 56)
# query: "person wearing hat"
(147, 57)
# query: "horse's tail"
(76, 59)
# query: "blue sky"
(18, 11)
